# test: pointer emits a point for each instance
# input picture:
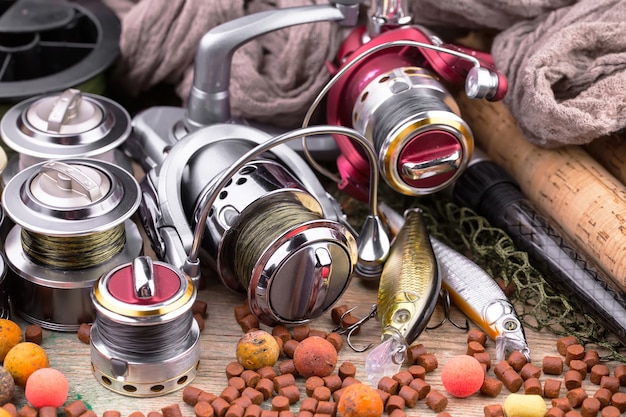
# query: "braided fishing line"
(162, 337)
(262, 230)
(75, 252)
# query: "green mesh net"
(537, 303)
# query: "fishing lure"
(407, 295)
(475, 293)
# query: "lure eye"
(402, 316)
(510, 325)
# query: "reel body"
(397, 97)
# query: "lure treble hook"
(444, 295)
(350, 329)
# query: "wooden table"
(219, 338)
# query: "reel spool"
(144, 341)
(5, 307)
(72, 224)
(52, 46)
(62, 125)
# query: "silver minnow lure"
(407, 295)
(475, 293)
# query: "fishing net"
(538, 304)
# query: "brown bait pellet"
(249, 323)
(428, 361)
(397, 413)
(604, 396)
(384, 395)
(517, 360)
(11, 409)
(562, 403)
(500, 367)
(564, 342)
(266, 387)
(620, 373)
(322, 394)
(289, 347)
(414, 352)
(476, 335)
(283, 380)
(491, 386)
(436, 401)
(573, 413)
(474, 347)
(610, 411)
(349, 380)
(243, 401)
(300, 332)
(610, 382)
(311, 383)
(422, 387)
(394, 402)
(346, 369)
(590, 407)
(269, 413)
(333, 382)
(200, 320)
(533, 386)
(91, 413)
(411, 396)
(305, 413)
(552, 365)
(235, 410)
(443, 414)
(591, 358)
(308, 404)
(555, 412)
(280, 343)
(418, 371)
(234, 369)
(484, 358)
(280, 403)
(597, 372)
(27, 411)
(33, 333)
(337, 394)
(403, 377)
(282, 332)
(84, 333)
(267, 372)
(254, 394)
(237, 382)
(338, 311)
(292, 392)
(576, 397)
(575, 351)
(326, 407)
(388, 384)
(241, 311)
(203, 409)
(230, 393)
(286, 413)
(287, 367)
(171, 410)
(580, 366)
(250, 377)
(512, 380)
(530, 370)
(253, 410)
(206, 396)
(336, 340)
(618, 399)
(572, 379)
(190, 394)
(75, 408)
(199, 307)
(47, 411)
(493, 410)
(319, 333)
(552, 388)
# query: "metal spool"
(52, 46)
(145, 341)
(72, 224)
(61, 125)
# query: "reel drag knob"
(144, 341)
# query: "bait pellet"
(415, 351)
(305, 414)
(555, 412)
(591, 358)
(230, 393)
(552, 388)
(322, 394)
(47, 411)
(532, 386)
(336, 340)
(564, 342)
(346, 369)
(326, 407)
(199, 307)
(349, 380)
(243, 401)
(517, 360)
(190, 394)
(580, 366)
(512, 380)
(552, 365)
(476, 335)
(283, 380)
(604, 396)
(597, 372)
(337, 394)
(291, 392)
(287, 367)
(320, 333)
(200, 320)
(618, 399)
(136, 414)
(620, 373)
(91, 413)
(609, 382)
(253, 411)
(267, 372)
(311, 383)
(11, 409)
(474, 347)
(241, 311)
(238, 382)
(308, 404)
(422, 387)
(403, 377)
(289, 347)
(590, 407)
(384, 395)
(333, 382)
(576, 397)
(234, 369)
(530, 370)
(75, 408)
(491, 386)
(300, 332)
(337, 312)
(254, 394)
(27, 411)
(220, 406)
(493, 410)
(203, 409)
(266, 387)
(574, 351)
(500, 367)
(610, 411)
(84, 333)
(442, 414)
(436, 401)
(573, 379)
(388, 384)
(250, 377)
(397, 413)
(249, 323)
(418, 371)
(206, 396)
(33, 333)
(394, 402)
(428, 361)
(411, 396)
(484, 358)
(269, 413)
(280, 403)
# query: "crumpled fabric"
(274, 78)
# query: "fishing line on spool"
(76, 252)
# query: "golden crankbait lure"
(407, 295)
